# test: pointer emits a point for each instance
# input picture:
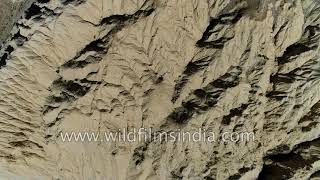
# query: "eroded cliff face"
(104, 65)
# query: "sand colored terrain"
(104, 65)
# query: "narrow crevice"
(207, 97)
(74, 2)
(315, 175)
(309, 42)
(62, 97)
(5, 56)
(240, 173)
(236, 112)
(71, 87)
(138, 154)
(122, 19)
(80, 64)
(25, 143)
(292, 51)
(34, 10)
(43, 1)
(283, 164)
(19, 39)
(191, 68)
(223, 20)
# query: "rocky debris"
(102, 65)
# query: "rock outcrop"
(225, 66)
